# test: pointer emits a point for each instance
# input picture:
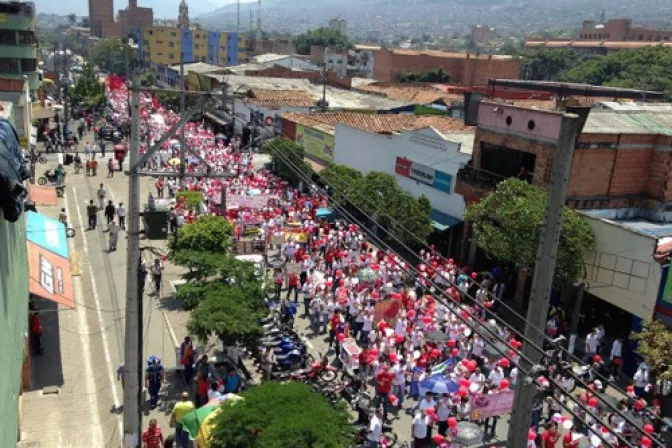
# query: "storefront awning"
(443, 221)
(49, 259)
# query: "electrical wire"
(396, 223)
(464, 320)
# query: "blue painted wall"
(232, 48)
(213, 47)
(187, 46)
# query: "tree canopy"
(508, 223)
(546, 64)
(287, 156)
(379, 195)
(648, 68)
(88, 89)
(435, 75)
(322, 37)
(112, 55)
(654, 342)
(208, 234)
(281, 415)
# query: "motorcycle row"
(294, 363)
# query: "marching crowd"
(351, 289)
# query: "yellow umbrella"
(174, 162)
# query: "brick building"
(101, 17)
(622, 160)
(621, 30)
(134, 17)
(482, 34)
(464, 68)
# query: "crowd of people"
(352, 290)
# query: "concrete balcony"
(474, 183)
(18, 51)
(18, 22)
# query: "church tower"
(183, 17)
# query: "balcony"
(475, 183)
(18, 51)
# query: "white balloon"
(595, 441)
(567, 424)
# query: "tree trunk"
(520, 286)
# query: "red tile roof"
(415, 93)
(377, 123)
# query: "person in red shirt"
(550, 437)
(152, 437)
(36, 334)
(567, 441)
(329, 259)
(293, 285)
(383, 388)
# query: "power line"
(464, 320)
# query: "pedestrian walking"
(92, 213)
(152, 437)
(155, 376)
(121, 214)
(109, 212)
(110, 168)
(187, 359)
(36, 341)
(102, 194)
(267, 361)
(114, 235)
(181, 408)
(102, 147)
(157, 269)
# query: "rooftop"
(413, 93)
(280, 98)
(635, 220)
(628, 122)
(447, 54)
(270, 57)
(613, 45)
(378, 123)
(198, 67)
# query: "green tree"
(147, 79)
(287, 157)
(647, 68)
(112, 55)
(85, 22)
(654, 342)
(435, 75)
(88, 89)
(507, 226)
(207, 234)
(281, 415)
(72, 19)
(322, 37)
(546, 64)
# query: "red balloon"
(465, 362)
(341, 337)
(435, 418)
(452, 422)
(392, 398)
(430, 411)
(531, 435)
(438, 439)
(465, 383)
(462, 392)
(398, 339)
(451, 343)
(597, 358)
(472, 365)
(488, 305)
(648, 428)
(640, 404)
(592, 402)
(646, 441)
(504, 384)
(504, 362)
(411, 314)
(455, 352)
(435, 353)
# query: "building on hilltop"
(482, 34)
(18, 49)
(621, 30)
(134, 17)
(338, 24)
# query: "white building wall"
(367, 152)
(292, 62)
(621, 269)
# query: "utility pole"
(182, 101)
(543, 280)
(132, 346)
(238, 18)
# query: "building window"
(657, 38)
(171, 56)
(28, 65)
(173, 33)
(171, 44)
(7, 37)
(145, 43)
(9, 65)
(197, 46)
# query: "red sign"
(403, 167)
(50, 276)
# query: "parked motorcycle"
(317, 371)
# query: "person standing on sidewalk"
(157, 270)
(36, 340)
(152, 437)
(155, 376)
(110, 168)
(102, 194)
(121, 214)
(92, 213)
(109, 212)
(113, 228)
(181, 408)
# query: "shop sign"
(316, 143)
(423, 173)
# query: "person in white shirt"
(121, 214)
(399, 381)
(375, 429)
(616, 357)
(496, 376)
(443, 411)
(420, 428)
(477, 378)
(427, 402)
(641, 379)
(591, 347)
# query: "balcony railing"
(482, 178)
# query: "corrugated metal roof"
(628, 122)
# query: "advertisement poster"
(490, 405)
(423, 173)
(316, 143)
(50, 276)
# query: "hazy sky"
(162, 8)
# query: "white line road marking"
(85, 337)
(96, 297)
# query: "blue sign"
(47, 233)
(443, 181)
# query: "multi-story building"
(482, 34)
(621, 30)
(18, 43)
(338, 24)
(101, 19)
(357, 62)
(134, 17)
(165, 45)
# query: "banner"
(491, 405)
(244, 201)
(316, 143)
(387, 309)
(423, 173)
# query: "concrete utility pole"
(132, 346)
(543, 279)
